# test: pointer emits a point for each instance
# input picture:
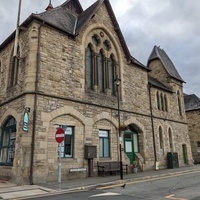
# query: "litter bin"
(172, 160)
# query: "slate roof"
(158, 53)
(158, 84)
(192, 102)
(60, 18)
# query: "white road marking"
(106, 194)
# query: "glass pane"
(89, 68)
(135, 139)
(128, 136)
(128, 146)
(111, 75)
(100, 72)
(6, 137)
(1, 137)
(106, 147)
(68, 146)
(68, 130)
(11, 153)
(101, 147)
(103, 133)
(3, 155)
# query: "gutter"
(152, 124)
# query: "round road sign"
(60, 134)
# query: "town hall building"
(63, 74)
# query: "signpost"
(60, 135)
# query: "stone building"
(63, 75)
(192, 108)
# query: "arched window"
(179, 103)
(161, 140)
(166, 103)
(158, 100)
(170, 139)
(7, 142)
(14, 68)
(162, 102)
(101, 72)
(100, 64)
(89, 68)
(111, 74)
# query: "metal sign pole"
(59, 168)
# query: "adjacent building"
(64, 75)
(192, 108)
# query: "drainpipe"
(35, 108)
(152, 124)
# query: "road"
(182, 187)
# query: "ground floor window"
(7, 141)
(67, 146)
(104, 144)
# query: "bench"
(110, 166)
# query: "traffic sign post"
(60, 134)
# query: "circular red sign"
(60, 134)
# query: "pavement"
(11, 191)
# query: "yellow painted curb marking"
(172, 197)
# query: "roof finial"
(49, 7)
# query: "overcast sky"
(174, 25)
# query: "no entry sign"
(60, 134)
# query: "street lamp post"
(117, 81)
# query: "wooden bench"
(110, 166)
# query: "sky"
(174, 25)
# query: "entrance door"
(130, 144)
(184, 153)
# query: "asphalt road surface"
(182, 187)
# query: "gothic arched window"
(161, 140)
(158, 100)
(14, 68)
(179, 103)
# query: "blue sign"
(25, 122)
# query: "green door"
(130, 144)
(184, 154)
